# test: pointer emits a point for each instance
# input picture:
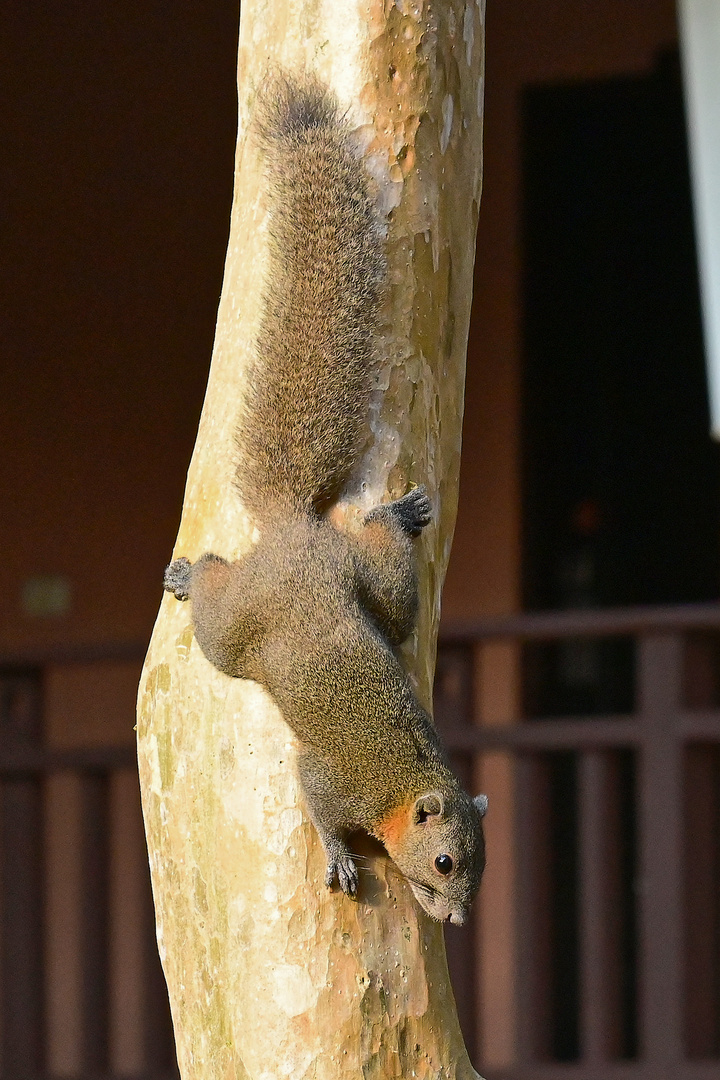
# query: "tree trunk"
(269, 974)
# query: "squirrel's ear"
(481, 801)
(428, 805)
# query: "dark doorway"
(619, 462)
(622, 480)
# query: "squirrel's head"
(437, 843)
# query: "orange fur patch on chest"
(392, 829)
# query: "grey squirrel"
(313, 613)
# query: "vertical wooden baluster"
(660, 826)
(595, 794)
(94, 922)
(453, 708)
(21, 856)
(159, 1040)
(533, 911)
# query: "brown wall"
(118, 168)
(117, 165)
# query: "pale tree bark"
(269, 974)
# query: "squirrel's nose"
(457, 918)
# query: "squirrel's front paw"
(177, 578)
(342, 869)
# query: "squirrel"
(314, 614)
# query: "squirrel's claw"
(177, 578)
(343, 870)
(414, 510)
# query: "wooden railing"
(68, 820)
(617, 851)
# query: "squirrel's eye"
(443, 864)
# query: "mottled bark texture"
(269, 974)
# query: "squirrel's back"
(308, 388)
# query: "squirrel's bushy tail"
(308, 388)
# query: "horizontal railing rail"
(40, 761)
(599, 622)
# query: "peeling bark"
(269, 974)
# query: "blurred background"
(578, 664)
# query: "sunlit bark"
(269, 974)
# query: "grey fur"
(327, 269)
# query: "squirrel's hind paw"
(177, 578)
(413, 511)
(343, 870)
